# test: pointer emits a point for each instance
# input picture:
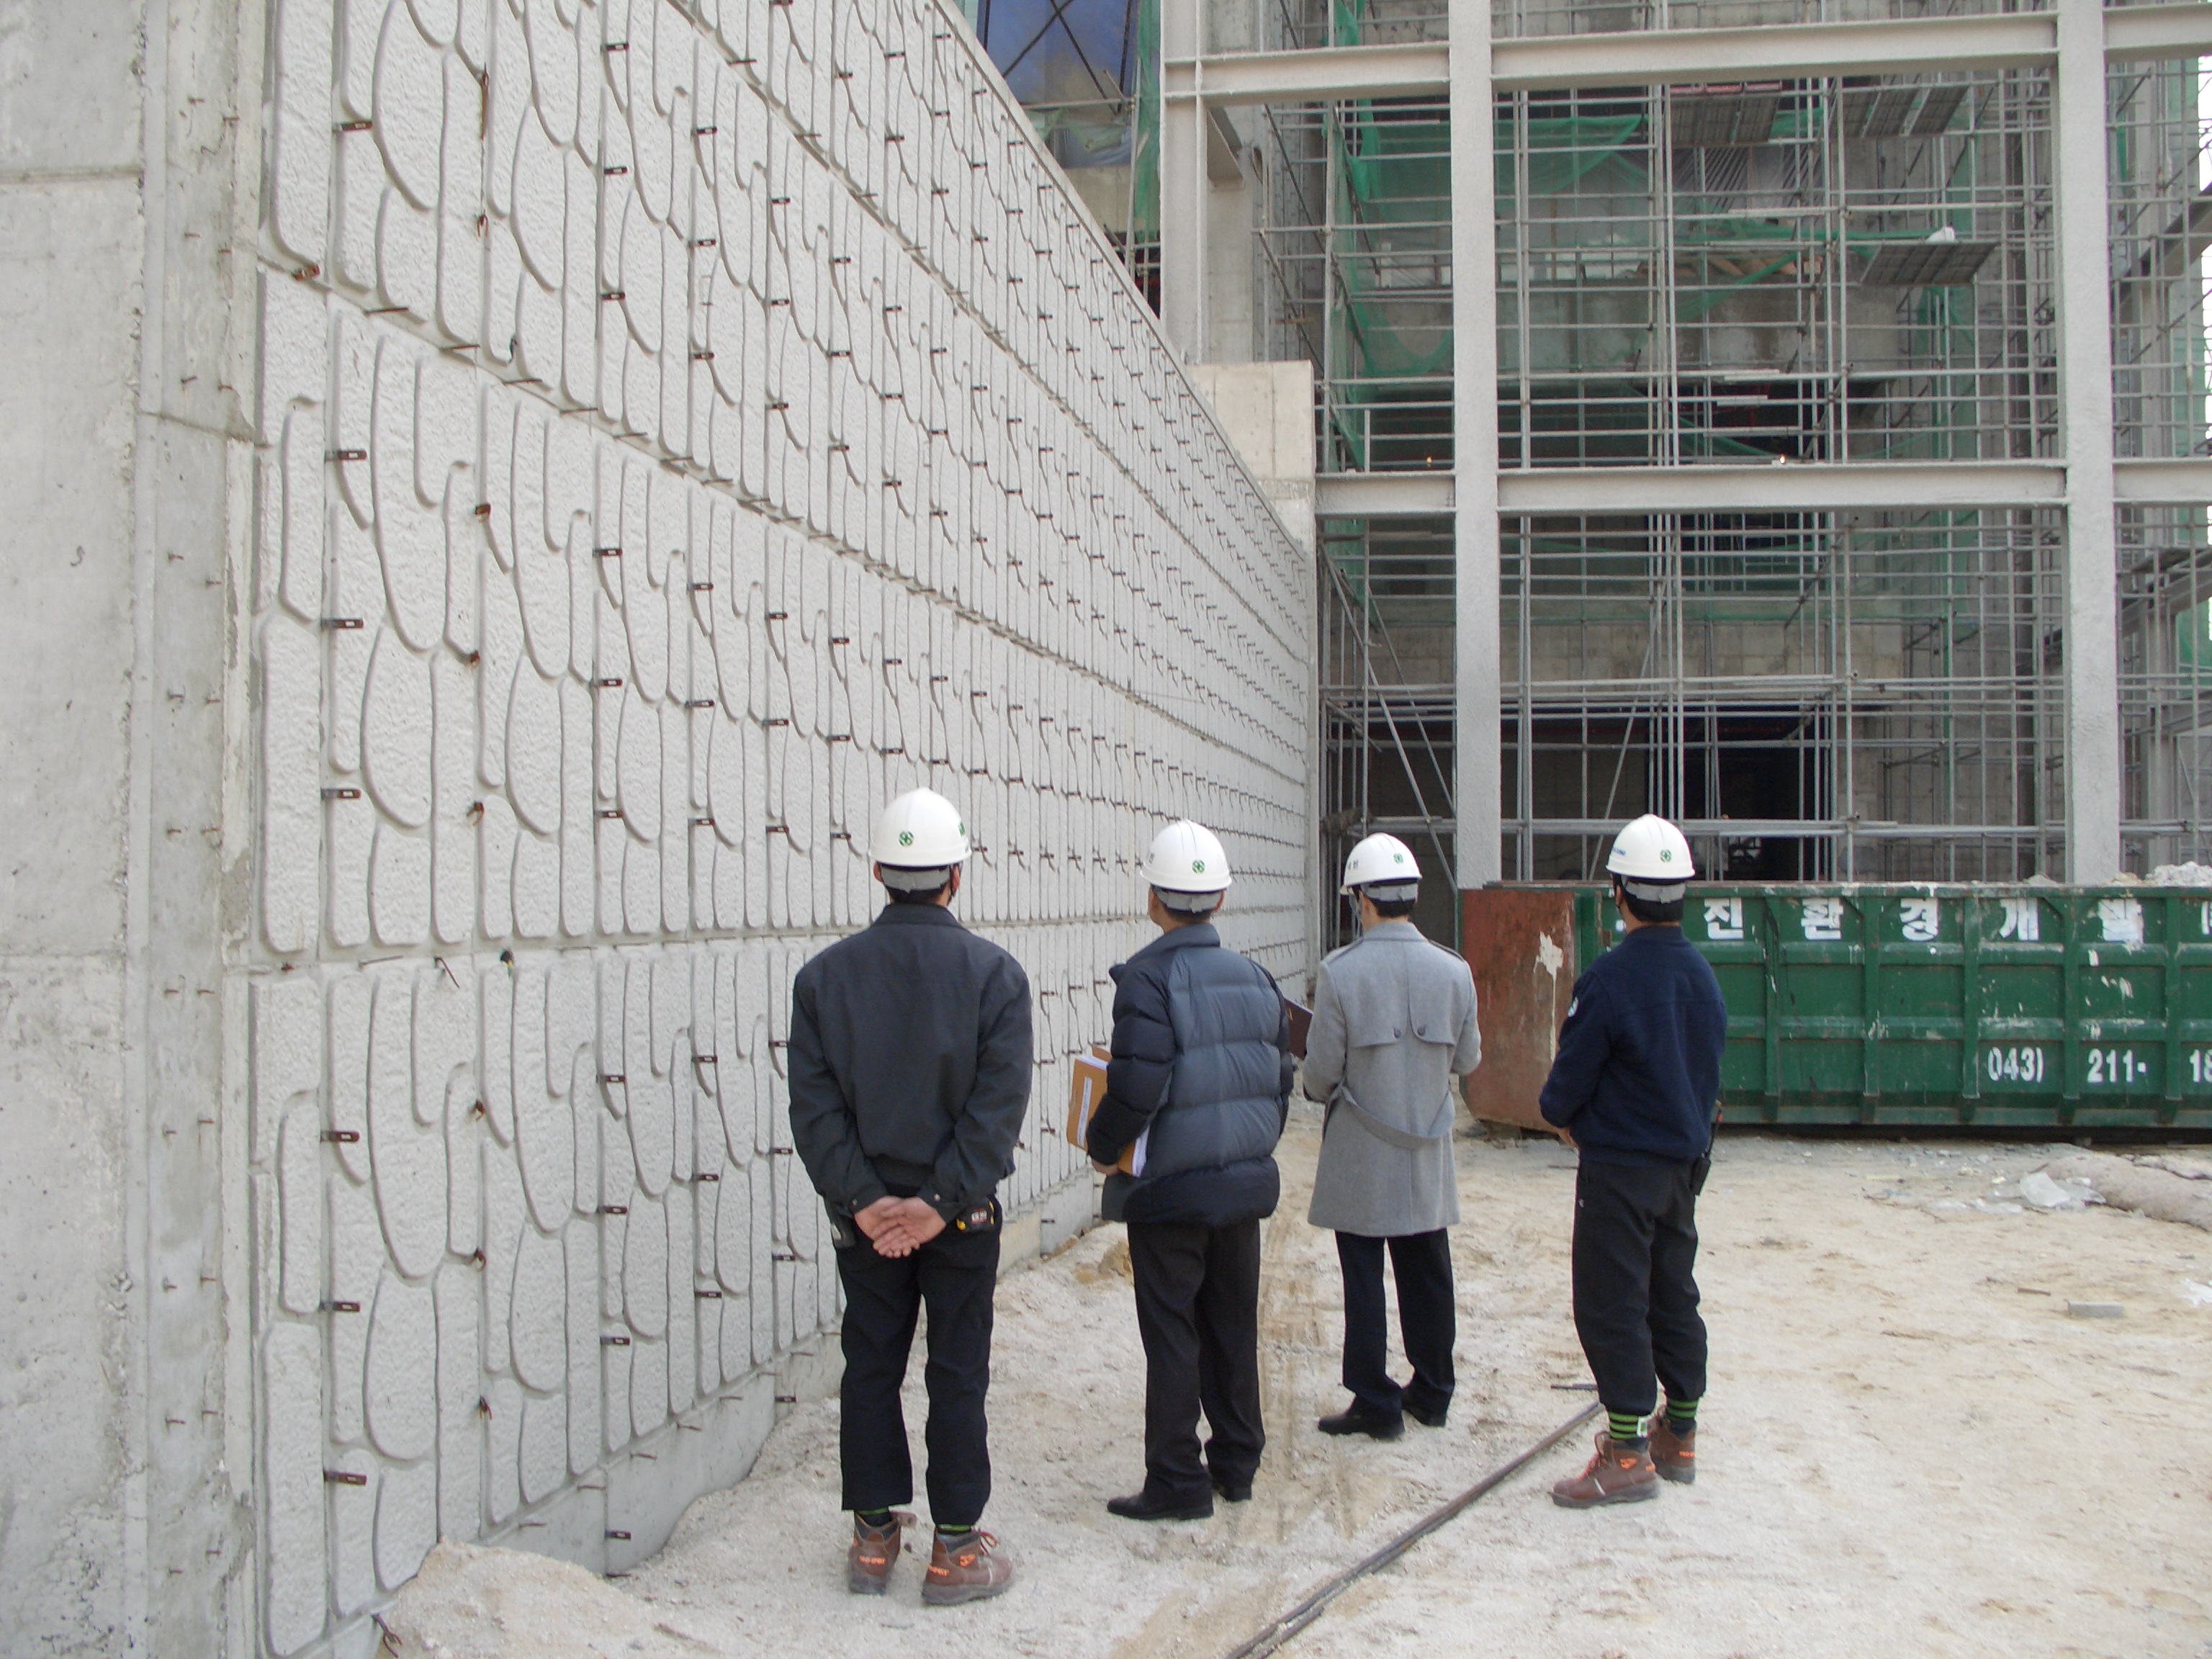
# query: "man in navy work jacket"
(1200, 1084)
(1635, 1086)
(909, 1066)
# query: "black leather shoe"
(1425, 1418)
(1149, 1506)
(1236, 1494)
(1356, 1421)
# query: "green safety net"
(2192, 638)
(1145, 141)
(1394, 194)
(1394, 191)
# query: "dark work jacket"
(1638, 1071)
(909, 1062)
(1201, 1059)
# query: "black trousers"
(1635, 1293)
(954, 1274)
(1198, 1311)
(1427, 1320)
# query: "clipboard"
(1086, 1088)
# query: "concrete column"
(127, 173)
(1475, 446)
(2092, 644)
(1183, 190)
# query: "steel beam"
(2136, 33)
(1381, 495)
(1882, 485)
(2091, 645)
(1885, 485)
(1888, 485)
(1907, 45)
(1185, 189)
(1477, 794)
(1902, 46)
(2176, 482)
(1411, 69)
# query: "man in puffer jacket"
(1200, 1084)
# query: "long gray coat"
(1394, 1017)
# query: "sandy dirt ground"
(1910, 1447)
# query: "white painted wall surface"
(548, 471)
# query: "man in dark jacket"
(1198, 1084)
(1635, 1086)
(909, 1066)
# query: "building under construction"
(1823, 467)
(505, 491)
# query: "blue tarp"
(1072, 63)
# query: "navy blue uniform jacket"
(1638, 1071)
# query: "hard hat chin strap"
(1190, 904)
(916, 881)
(1392, 892)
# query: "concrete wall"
(505, 490)
(70, 235)
(126, 191)
(1265, 410)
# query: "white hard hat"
(1187, 858)
(1652, 858)
(919, 839)
(1382, 860)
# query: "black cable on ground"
(1311, 1608)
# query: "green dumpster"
(1996, 1006)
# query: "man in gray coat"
(1394, 1017)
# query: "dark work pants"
(955, 1274)
(1198, 1311)
(1427, 1320)
(1636, 1295)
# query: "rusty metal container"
(1521, 943)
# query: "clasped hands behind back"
(898, 1226)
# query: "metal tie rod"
(1314, 1605)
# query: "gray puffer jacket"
(1201, 1060)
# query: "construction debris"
(2143, 1187)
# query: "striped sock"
(1625, 1428)
(1682, 1416)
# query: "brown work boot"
(968, 1569)
(875, 1552)
(1615, 1475)
(1675, 1455)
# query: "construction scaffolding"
(2161, 199)
(1844, 269)
(1813, 696)
(1832, 270)
(1698, 280)
(2161, 230)
(1386, 697)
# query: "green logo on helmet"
(1198, 867)
(1397, 858)
(1666, 855)
(906, 837)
